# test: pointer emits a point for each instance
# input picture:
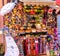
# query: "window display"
(33, 28)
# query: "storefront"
(31, 29)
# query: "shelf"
(33, 33)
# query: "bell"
(27, 10)
(35, 10)
(38, 26)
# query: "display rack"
(29, 27)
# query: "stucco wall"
(1, 26)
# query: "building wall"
(0, 3)
(3, 2)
